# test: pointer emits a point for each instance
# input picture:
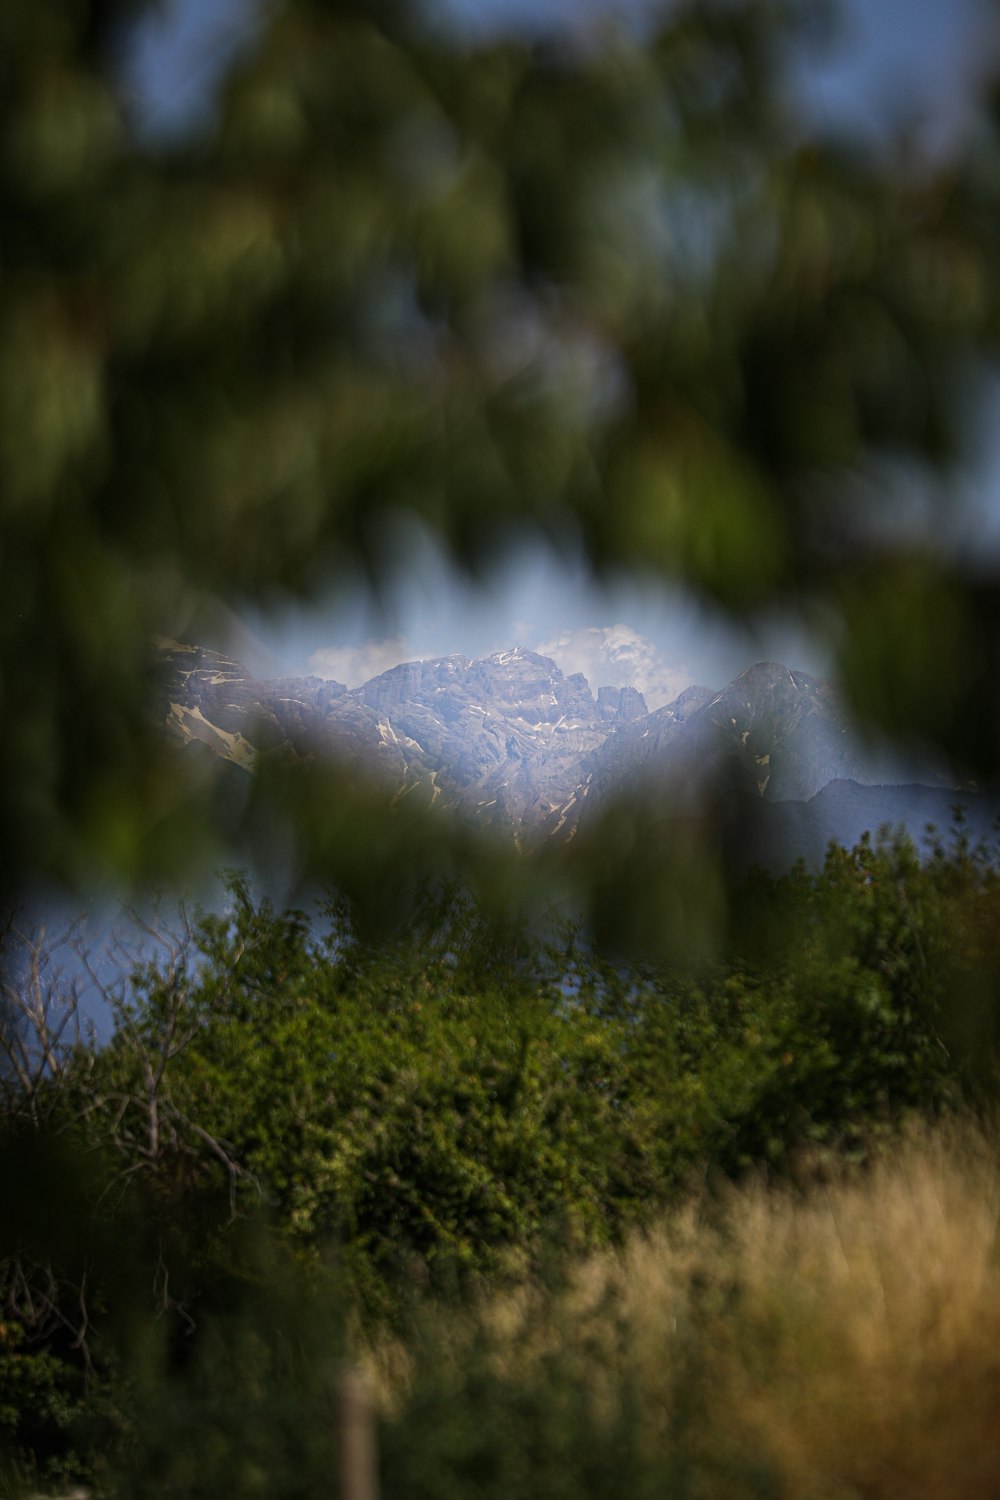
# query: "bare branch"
(161, 1291)
(42, 1007)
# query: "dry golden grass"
(846, 1338)
(864, 1344)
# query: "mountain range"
(512, 743)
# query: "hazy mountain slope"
(778, 733)
(771, 734)
(775, 835)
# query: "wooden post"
(357, 1460)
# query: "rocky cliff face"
(500, 740)
(779, 734)
(513, 743)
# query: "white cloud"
(617, 656)
(357, 664)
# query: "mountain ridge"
(510, 742)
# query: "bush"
(838, 1341)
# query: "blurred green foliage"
(242, 1403)
(399, 274)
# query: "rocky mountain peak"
(532, 688)
(620, 705)
(412, 681)
(512, 741)
(689, 702)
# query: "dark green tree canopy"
(227, 364)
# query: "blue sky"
(913, 62)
